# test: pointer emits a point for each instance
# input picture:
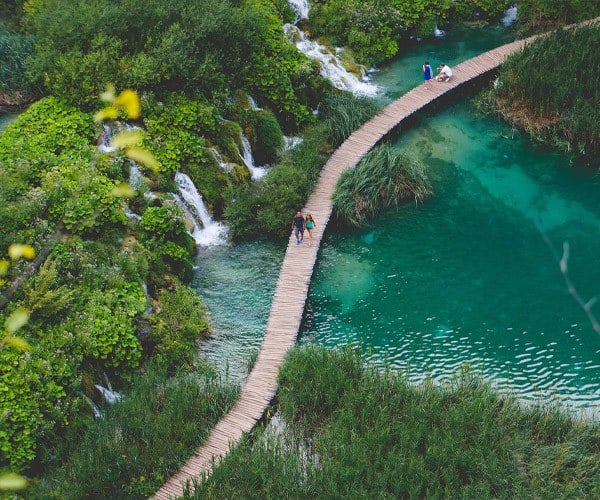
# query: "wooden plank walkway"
(297, 268)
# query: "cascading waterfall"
(510, 16)
(331, 65)
(107, 392)
(97, 412)
(206, 231)
(246, 156)
(222, 163)
(253, 104)
(438, 33)
(291, 142)
(301, 7)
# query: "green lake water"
(5, 119)
(465, 278)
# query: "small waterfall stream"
(246, 156)
(331, 65)
(206, 231)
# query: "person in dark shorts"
(298, 227)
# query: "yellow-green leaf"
(10, 481)
(17, 320)
(109, 113)
(16, 251)
(17, 342)
(130, 102)
(123, 190)
(142, 156)
(4, 265)
(126, 138)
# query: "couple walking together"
(299, 223)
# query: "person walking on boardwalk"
(298, 227)
(310, 225)
(427, 74)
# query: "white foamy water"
(438, 33)
(301, 7)
(205, 231)
(246, 156)
(510, 16)
(331, 65)
(291, 142)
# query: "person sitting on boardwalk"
(445, 73)
(298, 227)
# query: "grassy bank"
(551, 89)
(354, 432)
(140, 441)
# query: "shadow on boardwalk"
(297, 268)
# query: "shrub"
(15, 49)
(178, 324)
(383, 178)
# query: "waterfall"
(107, 392)
(510, 16)
(257, 172)
(222, 163)
(253, 104)
(136, 179)
(438, 33)
(97, 413)
(104, 140)
(301, 7)
(331, 65)
(291, 142)
(206, 231)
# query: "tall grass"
(343, 113)
(141, 440)
(552, 90)
(360, 433)
(385, 177)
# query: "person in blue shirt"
(298, 227)
(427, 74)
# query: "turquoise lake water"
(465, 278)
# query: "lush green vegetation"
(205, 48)
(543, 15)
(265, 208)
(384, 178)
(141, 440)
(15, 86)
(87, 300)
(375, 31)
(551, 89)
(355, 432)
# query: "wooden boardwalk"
(296, 271)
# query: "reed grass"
(551, 89)
(142, 440)
(384, 178)
(343, 113)
(356, 432)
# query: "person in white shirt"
(444, 74)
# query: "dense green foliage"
(375, 30)
(142, 439)
(382, 179)
(265, 208)
(15, 48)
(355, 432)
(551, 89)
(542, 15)
(87, 299)
(204, 47)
